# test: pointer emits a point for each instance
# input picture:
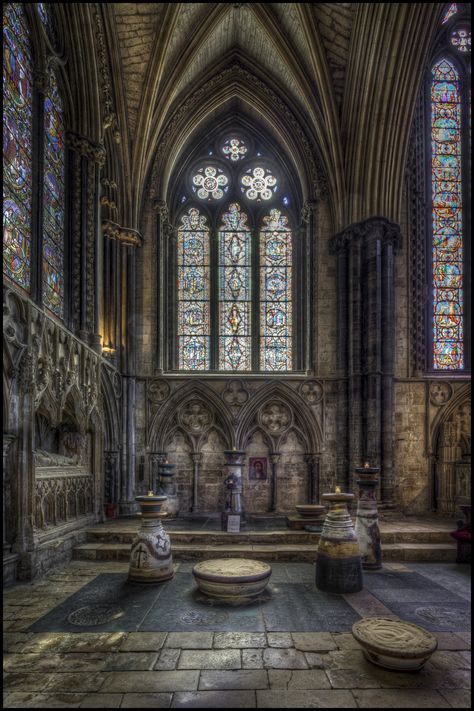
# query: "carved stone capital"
(85, 147)
(308, 209)
(161, 208)
(196, 457)
(375, 228)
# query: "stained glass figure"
(260, 183)
(17, 145)
(234, 149)
(234, 291)
(452, 10)
(447, 248)
(53, 200)
(212, 182)
(461, 39)
(275, 293)
(193, 292)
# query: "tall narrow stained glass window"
(17, 145)
(234, 291)
(275, 293)
(53, 201)
(193, 292)
(447, 251)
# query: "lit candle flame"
(150, 493)
(166, 461)
(366, 465)
(338, 489)
(233, 449)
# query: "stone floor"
(162, 647)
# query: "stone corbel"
(308, 209)
(85, 147)
(124, 235)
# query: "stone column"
(197, 459)
(85, 159)
(274, 459)
(111, 461)
(366, 321)
(8, 439)
(312, 461)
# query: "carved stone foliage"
(275, 417)
(440, 393)
(235, 396)
(158, 391)
(195, 417)
(312, 391)
(60, 498)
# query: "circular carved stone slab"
(394, 644)
(92, 615)
(232, 580)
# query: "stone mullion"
(36, 257)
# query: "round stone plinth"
(234, 581)
(311, 510)
(394, 644)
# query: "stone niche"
(64, 481)
(179, 452)
(257, 492)
(292, 474)
(211, 477)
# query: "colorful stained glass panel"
(210, 183)
(234, 149)
(447, 253)
(452, 10)
(193, 292)
(17, 147)
(53, 201)
(234, 291)
(259, 183)
(275, 293)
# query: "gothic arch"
(163, 420)
(303, 418)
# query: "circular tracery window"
(210, 182)
(234, 149)
(259, 183)
(461, 39)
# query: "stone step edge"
(290, 548)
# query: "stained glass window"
(212, 182)
(275, 293)
(452, 10)
(259, 183)
(17, 147)
(43, 13)
(447, 217)
(234, 149)
(234, 291)
(53, 201)
(193, 292)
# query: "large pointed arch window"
(17, 145)
(235, 274)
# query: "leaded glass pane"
(234, 291)
(53, 201)
(461, 39)
(452, 10)
(275, 293)
(259, 183)
(210, 183)
(17, 147)
(193, 292)
(234, 149)
(447, 218)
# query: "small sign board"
(233, 523)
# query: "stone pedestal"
(310, 517)
(235, 581)
(166, 486)
(150, 556)
(338, 562)
(394, 644)
(233, 483)
(367, 522)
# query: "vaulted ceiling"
(337, 80)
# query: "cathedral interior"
(236, 271)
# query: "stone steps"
(304, 552)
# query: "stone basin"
(235, 581)
(394, 644)
(311, 510)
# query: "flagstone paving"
(220, 664)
